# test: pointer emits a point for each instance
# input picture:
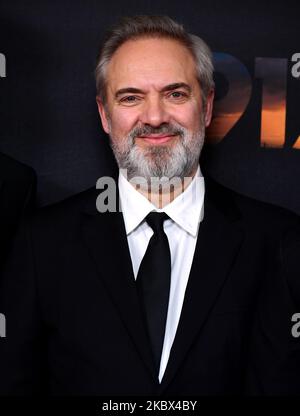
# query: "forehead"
(155, 60)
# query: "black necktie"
(153, 283)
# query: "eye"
(178, 95)
(129, 99)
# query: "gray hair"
(144, 26)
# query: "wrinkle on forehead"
(150, 63)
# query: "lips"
(157, 139)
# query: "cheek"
(188, 117)
(123, 122)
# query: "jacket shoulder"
(250, 209)
(65, 210)
(12, 170)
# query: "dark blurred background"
(48, 115)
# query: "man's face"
(154, 115)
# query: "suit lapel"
(216, 249)
(105, 236)
(217, 246)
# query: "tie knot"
(156, 220)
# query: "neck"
(162, 194)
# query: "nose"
(154, 112)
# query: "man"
(174, 293)
(17, 193)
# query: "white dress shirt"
(186, 212)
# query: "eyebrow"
(169, 87)
(175, 86)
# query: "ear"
(102, 114)
(209, 107)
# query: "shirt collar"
(187, 209)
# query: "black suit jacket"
(74, 324)
(17, 194)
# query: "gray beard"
(164, 161)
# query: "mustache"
(165, 128)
